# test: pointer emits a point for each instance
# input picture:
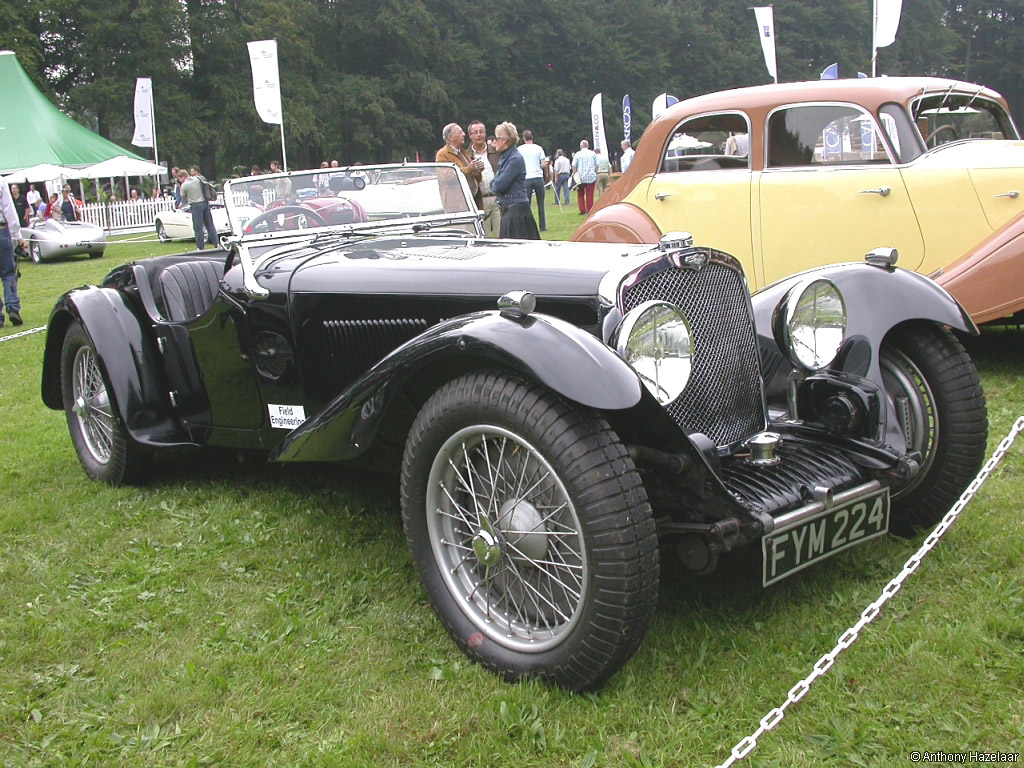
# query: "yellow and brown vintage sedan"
(791, 176)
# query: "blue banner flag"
(627, 118)
(831, 72)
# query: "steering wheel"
(287, 217)
(947, 127)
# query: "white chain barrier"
(745, 746)
(19, 334)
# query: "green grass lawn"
(244, 614)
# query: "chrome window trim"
(852, 105)
(697, 116)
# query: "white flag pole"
(284, 152)
(152, 111)
(874, 37)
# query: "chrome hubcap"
(506, 537)
(914, 403)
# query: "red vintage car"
(792, 176)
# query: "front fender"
(619, 223)
(567, 360)
(129, 360)
(877, 300)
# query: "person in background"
(484, 151)
(34, 199)
(563, 170)
(20, 205)
(536, 165)
(176, 191)
(627, 155)
(10, 231)
(51, 209)
(604, 175)
(282, 186)
(202, 219)
(584, 163)
(509, 184)
(453, 151)
(69, 205)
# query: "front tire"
(102, 445)
(530, 529)
(161, 233)
(934, 387)
(35, 252)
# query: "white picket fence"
(126, 216)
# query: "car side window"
(708, 143)
(823, 134)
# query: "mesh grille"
(723, 398)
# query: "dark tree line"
(375, 80)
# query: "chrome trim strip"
(810, 510)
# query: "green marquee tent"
(33, 130)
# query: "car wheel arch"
(618, 223)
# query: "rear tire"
(530, 529)
(101, 442)
(937, 395)
(161, 233)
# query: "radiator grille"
(354, 346)
(724, 397)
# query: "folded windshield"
(358, 197)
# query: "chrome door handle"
(1013, 194)
(662, 195)
(883, 191)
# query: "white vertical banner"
(143, 136)
(597, 123)
(266, 83)
(886, 23)
(765, 17)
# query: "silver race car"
(50, 240)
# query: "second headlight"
(655, 340)
(810, 323)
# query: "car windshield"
(355, 197)
(945, 117)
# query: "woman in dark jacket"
(509, 185)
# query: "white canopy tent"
(121, 166)
(41, 172)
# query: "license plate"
(806, 542)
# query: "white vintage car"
(177, 225)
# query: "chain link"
(745, 746)
(23, 333)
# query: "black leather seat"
(189, 288)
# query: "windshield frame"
(299, 187)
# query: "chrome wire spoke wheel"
(91, 405)
(506, 537)
(914, 403)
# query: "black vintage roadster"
(559, 413)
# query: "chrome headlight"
(656, 341)
(810, 323)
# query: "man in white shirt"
(10, 231)
(627, 155)
(536, 162)
(482, 150)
